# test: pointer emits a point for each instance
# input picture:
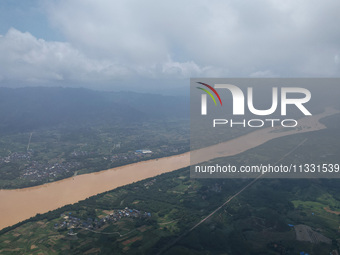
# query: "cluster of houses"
(145, 153)
(80, 153)
(16, 156)
(41, 171)
(138, 154)
(71, 222)
(149, 183)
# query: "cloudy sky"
(158, 45)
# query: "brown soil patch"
(16, 249)
(93, 250)
(144, 228)
(107, 212)
(330, 211)
(132, 240)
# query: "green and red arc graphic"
(209, 93)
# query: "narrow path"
(29, 142)
(107, 233)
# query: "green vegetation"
(68, 151)
(255, 222)
(43, 140)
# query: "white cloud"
(28, 59)
(127, 40)
(261, 74)
(239, 37)
(33, 61)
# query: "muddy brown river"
(20, 204)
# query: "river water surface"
(20, 204)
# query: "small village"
(145, 153)
(40, 171)
(131, 156)
(70, 222)
(16, 156)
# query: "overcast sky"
(140, 45)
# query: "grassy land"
(84, 150)
(255, 222)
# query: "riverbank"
(20, 204)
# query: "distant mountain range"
(26, 109)
(29, 108)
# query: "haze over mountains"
(26, 109)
